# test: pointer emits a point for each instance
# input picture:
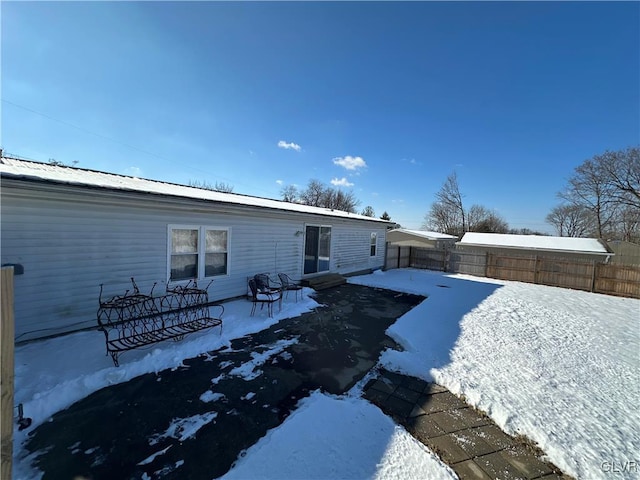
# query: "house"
(419, 238)
(69, 230)
(570, 248)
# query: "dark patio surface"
(115, 432)
(464, 438)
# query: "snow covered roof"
(425, 234)
(534, 242)
(29, 170)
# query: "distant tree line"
(449, 214)
(317, 194)
(216, 187)
(601, 198)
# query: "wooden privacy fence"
(397, 257)
(7, 373)
(621, 280)
(611, 279)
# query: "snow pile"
(559, 366)
(338, 437)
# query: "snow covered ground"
(559, 366)
(53, 374)
(338, 437)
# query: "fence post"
(486, 263)
(399, 252)
(593, 275)
(535, 270)
(7, 330)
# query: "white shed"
(529, 245)
(72, 229)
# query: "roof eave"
(320, 211)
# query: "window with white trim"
(374, 244)
(197, 252)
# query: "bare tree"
(621, 170)
(451, 198)
(290, 194)
(476, 215)
(443, 219)
(572, 220)
(319, 195)
(368, 211)
(481, 219)
(314, 194)
(216, 187)
(589, 188)
(607, 185)
(447, 213)
(628, 224)
(339, 200)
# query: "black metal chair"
(263, 298)
(265, 284)
(290, 285)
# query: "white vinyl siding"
(70, 240)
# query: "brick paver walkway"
(464, 438)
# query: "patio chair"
(290, 285)
(265, 283)
(263, 298)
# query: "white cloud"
(350, 163)
(279, 182)
(289, 146)
(343, 182)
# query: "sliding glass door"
(317, 249)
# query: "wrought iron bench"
(135, 319)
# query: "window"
(197, 252)
(184, 254)
(374, 243)
(216, 253)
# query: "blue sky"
(389, 97)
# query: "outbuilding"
(68, 230)
(569, 248)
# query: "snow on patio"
(559, 366)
